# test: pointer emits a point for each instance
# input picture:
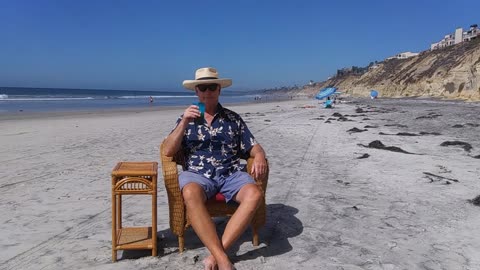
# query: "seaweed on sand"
(356, 130)
(379, 145)
(475, 201)
(466, 146)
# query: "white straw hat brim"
(190, 84)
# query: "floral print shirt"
(216, 150)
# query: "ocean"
(67, 100)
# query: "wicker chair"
(216, 206)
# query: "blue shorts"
(229, 186)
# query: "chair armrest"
(261, 182)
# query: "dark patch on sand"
(477, 156)
(343, 119)
(400, 134)
(410, 134)
(317, 118)
(368, 126)
(340, 117)
(363, 156)
(466, 146)
(467, 124)
(356, 130)
(353, 115)
(435, 178)
(366, 118)
(429, 133)
(374, 110)
(406, 134)
(431, 115)
(396, 125)
(475, 201)
(379, 145)
(345, 183)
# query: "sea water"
(64, 100)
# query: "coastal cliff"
(452, 73)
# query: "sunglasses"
(203, 87)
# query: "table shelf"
(134, 238)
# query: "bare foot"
(210, 263)
(226, 265)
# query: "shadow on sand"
(281, 225)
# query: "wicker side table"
(133, 178)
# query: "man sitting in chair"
(214, 145)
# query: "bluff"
(452, 73)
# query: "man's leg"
(249, 198)
(194, 197)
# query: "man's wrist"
(260, 155)
(184, 123)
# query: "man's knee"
(193, 192)
(251, 193)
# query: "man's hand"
(259, 167)
(174, 140)
(191, 113)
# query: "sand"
(342, 194)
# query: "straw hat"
(206, 75)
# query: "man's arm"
(174, 140)
(259, 167)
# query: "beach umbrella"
(325, 92)
(373, 94)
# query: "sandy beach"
(370, 184)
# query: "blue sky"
(155, 45)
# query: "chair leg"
(181, 243)
(255, 237)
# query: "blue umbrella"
(373, 94)
(325, 92)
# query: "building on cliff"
(403, 55)
(457, 37)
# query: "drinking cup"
(201, 108)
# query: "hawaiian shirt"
(216, 150)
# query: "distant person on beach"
(151, 99)
(328, 103)
(214, 146)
